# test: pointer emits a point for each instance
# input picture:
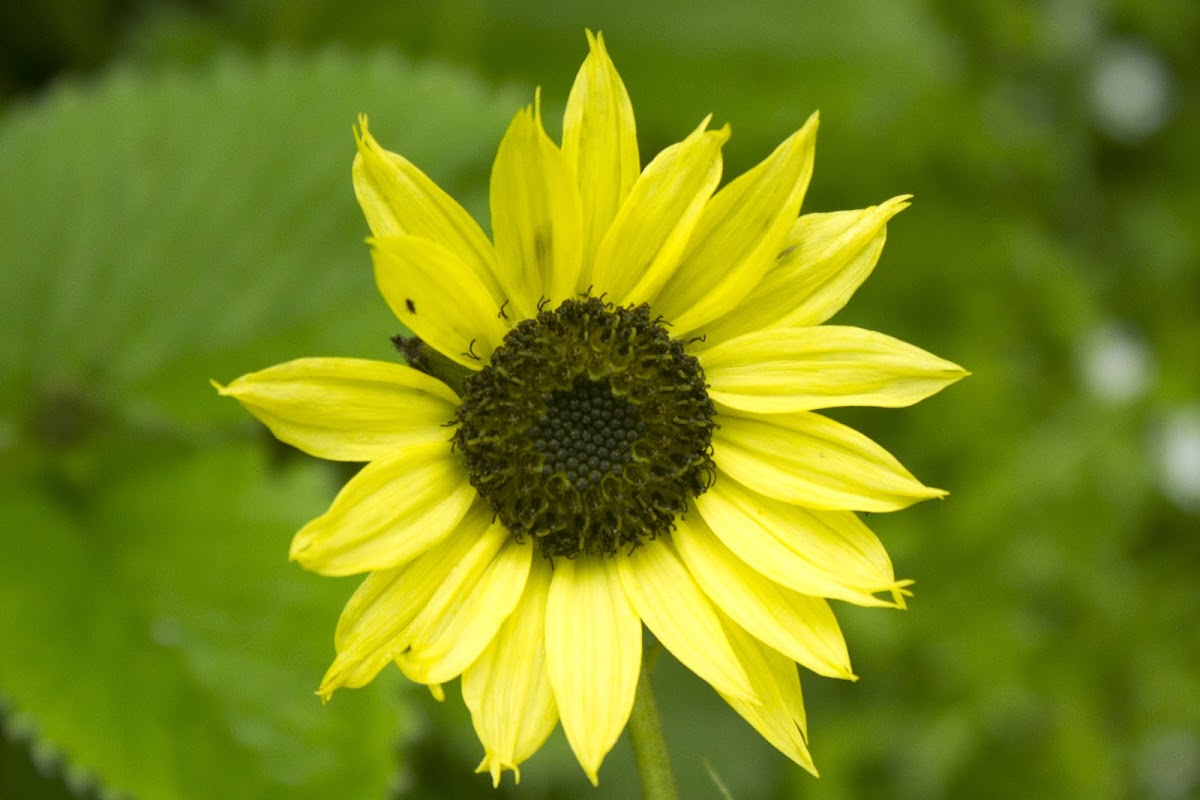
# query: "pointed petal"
(536, 216)
(593, 656)
(666, 597)
(600, 145)
(799, 369)
(650, 232)
(373, 626)
(387, 514)
(825, 258)
(347, 409)
(801, 627)
(739, 235)
(779, 714)
(439, 298)
(507, 688)
(810, 460)
(398, 199)
(466, 611)
(820, 553)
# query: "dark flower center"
(589, 431)
(586, 433)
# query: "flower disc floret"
(590, 429)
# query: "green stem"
(649, 744)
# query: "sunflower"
(608, 419)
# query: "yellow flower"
(622, 430)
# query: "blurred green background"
(175, 205)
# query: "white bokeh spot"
(1131, 91)
(1117, 364)
(1177, 458)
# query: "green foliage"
(164, 225)
(180, 225)
(160, 230)
(163, 646)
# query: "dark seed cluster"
(586, 433)
(589, 431)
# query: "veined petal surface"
(347, 409)
(642, 248)
(464, 614)
(439, 298)
(507, 689)
(537, 218)
(593, 656)
(824, 259)
(400, 200)
(677, 612)
(600, 145)
(739, 235)
(820, 553)
(389, 513)
(800, 369)
(810, 460)
(374, 625)
(800, 626)
(778, 713)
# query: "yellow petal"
(801, 627)
(433, 292)
(799, 369)
(398, 199)
(507, 688)
(373, 626)
(600, 145)
(387, 514)
(825, 258)
(739, 235)
(347, 409)
(536, 217)
(779, 714)
(812, 461)
(593, 656)
(666, 597)
(466, 611)
(821, 553)
(650, 232)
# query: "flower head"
(608, 420)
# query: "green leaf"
(160, 230)
(156, 636)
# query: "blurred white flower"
(1118, 366)
(1169, 766)
(1177, 456)
(1131, 91)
